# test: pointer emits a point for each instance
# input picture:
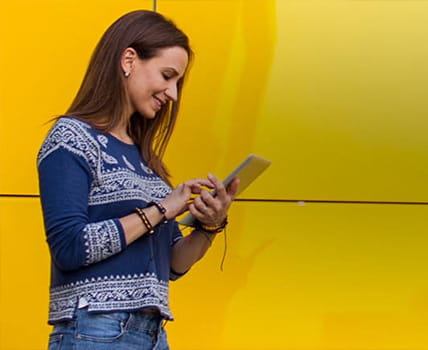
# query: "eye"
(166, 76)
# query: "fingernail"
(210, 175)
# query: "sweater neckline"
(119, 141)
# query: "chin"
(148, 114)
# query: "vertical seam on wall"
(154, 5)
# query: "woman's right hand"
(176, 202)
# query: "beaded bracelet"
(161, 209)
(145, 220)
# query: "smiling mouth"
(159, 103)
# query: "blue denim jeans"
(117, 330)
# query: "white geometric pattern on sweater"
(122, 184)
(110, 293)
(128, 164)
(110, 184)
(73, 136)
(102, 139)
(101, 240)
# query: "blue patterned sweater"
(88, 180)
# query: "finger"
(219, 188)
(195, 212)
(201, 206)
(196, 189)
(189, 187)
(210, 201)
(202, 182)
(195, 185)
(233, 187)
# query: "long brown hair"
(102, 96)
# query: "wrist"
(161, 209)
(211, 229)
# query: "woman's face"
(153, 82)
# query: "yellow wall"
(331, 90)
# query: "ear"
(127, 60)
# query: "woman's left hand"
(210, 210)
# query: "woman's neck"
(122, 134)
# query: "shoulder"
(73, 135)
(67, 126)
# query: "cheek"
(136, 90)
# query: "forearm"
(81, 244)
(172, 205)
(211, 213)
(190, 249)
(133, 226)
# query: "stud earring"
(127, 74)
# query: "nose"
(171, 92)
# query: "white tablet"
(247, 172)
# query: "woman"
(107, 202)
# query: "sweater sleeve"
(176, 236)
(65, 178)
